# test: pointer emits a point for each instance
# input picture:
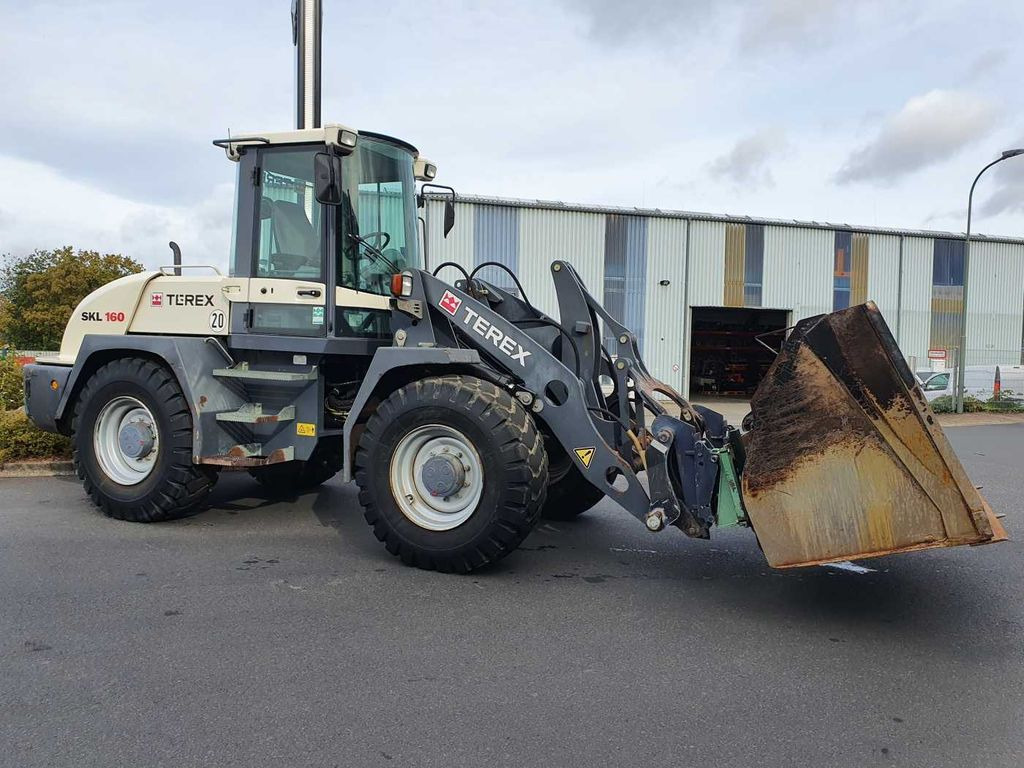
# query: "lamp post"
(961, 359)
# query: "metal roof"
(556, 205)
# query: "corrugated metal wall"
(706, 269)
(798, 266)
(665, 315)
(625, 270)
(884, 276)
(458, 246)
(916, 299)
(548, 235)
(636, 252)
(496, 239)
(995, 298)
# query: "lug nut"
(654, 520)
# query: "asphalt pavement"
(280, 633)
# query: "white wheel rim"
(126, 441)
(412, 492)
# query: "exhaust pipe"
(307, 36)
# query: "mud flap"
(844, 457)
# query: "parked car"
(979, 382)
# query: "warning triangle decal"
(585, 455)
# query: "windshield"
(377, 216)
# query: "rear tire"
(570, 494)
(323, 464)
(495, 488)
(127, 403)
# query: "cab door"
(287, 290)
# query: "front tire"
(132, 443)
(452, 473)
(570, 494)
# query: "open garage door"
(725, 358)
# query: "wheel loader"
(463, 412)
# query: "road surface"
(280, 633)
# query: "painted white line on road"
(846, 565)
(630, 549)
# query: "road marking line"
(846, 565)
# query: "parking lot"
(265, 632)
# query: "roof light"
(348, 138)
(424, 170)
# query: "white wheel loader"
(463, 412)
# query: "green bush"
(944, 404)
(21, 439)
(12, 392)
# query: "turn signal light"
(401, 285)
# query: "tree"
(38, 292)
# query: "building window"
(948, 263)
(947, 295)
(842, 270)
(753, 265)
(744, 264)
(625, 268)
(496, 238)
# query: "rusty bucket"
(844, 457)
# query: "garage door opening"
(725, 358)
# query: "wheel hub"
(443, 475)
(436, 477)
(136, 439)
(126, 440)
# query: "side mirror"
(449, 204)
(327, 178)
(449, 217)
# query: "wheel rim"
(126, 441)
(436, 477)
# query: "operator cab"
(323, 218)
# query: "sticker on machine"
(156, 300)
(305, 429)
(218, 321)
(318, 315)
(585, 455)
(450, 303)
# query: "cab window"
(291, 221)
(377, 216)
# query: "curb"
(37, 469)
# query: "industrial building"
(699, 289)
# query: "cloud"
(746, 164)
(612, 21)
(986, 63)
(764, 25)
(89, 217)
(790, 23)
(927, 130)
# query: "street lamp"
(961, 360)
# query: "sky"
(848, 111)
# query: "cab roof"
(333, 134)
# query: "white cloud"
(926, 131)
(746, 164)
(44, 209)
